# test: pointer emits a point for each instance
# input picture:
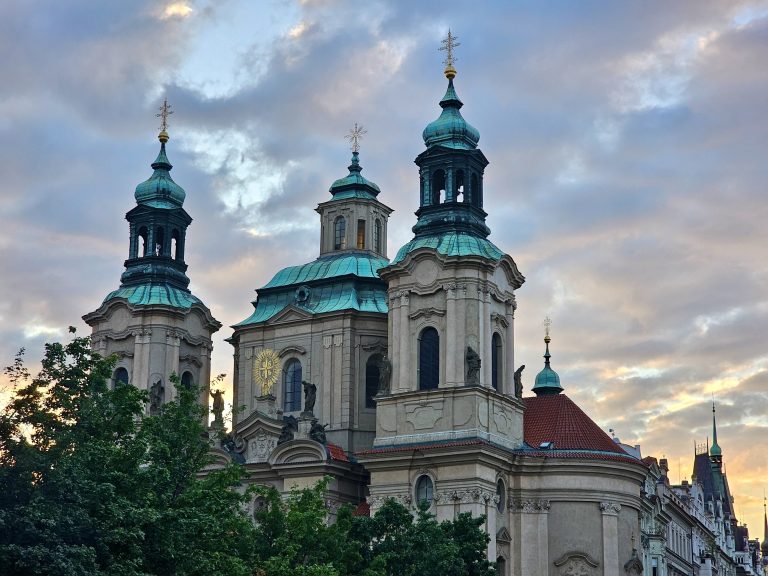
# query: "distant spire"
(715, 451)
(764, 547)
(449, 43)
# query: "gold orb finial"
(449, 43)
(165, 111)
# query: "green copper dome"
(160, 191)
(547, 381)
(354, 185)
(450, 129)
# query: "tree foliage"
(90, 485)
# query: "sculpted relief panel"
(576, 564)
(423, 417)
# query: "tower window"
(371, 380)
(361, 234)
(377, 236)
(459, 186)
(496, 358)
(160, 242)
(501, 495)
(175, 254)
(120, 376)
(424, 490)
(339, 233)
(186, 380)
(429, 359)
(474, 192)
(142, 240)
(438, 186)
(292, 386)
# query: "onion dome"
(354, 185)
(450, 129)
(160, 191)
(547, 381)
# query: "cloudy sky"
(627, 143)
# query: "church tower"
(323, 323)
(451, 412)
(152, 322)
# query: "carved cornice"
(378, 500)
(465, 496)
(426, 313)
(610, 508)
(528, 506)
(499, 319)
(450, 286)
(378, 346)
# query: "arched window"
(142, 239)
(186, 380)
(429, 359)
(361, 234)
(339, 233)
(424, 490)
(120, 376)
(377, 236)
(458, 193)
(474, 191)
(501, 493)
(175, 254)
(496, 359)
(438, 186)
(371, 380)
(292, 386)
(160, 242)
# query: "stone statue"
(317, 432)
(310, 395)
(385, 375)
(473, 367)
(156, 393)
(519, 381)
(218, 407)
(286, 433)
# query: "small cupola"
(547, 381)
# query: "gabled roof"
(557, 419)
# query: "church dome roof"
(159, 190)
(354, 185)
(450, 129)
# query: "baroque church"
(394, 377)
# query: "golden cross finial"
(449, 43)
(165, 111)
(354, 137)
(547, 326)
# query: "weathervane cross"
(354, 137)
(449, 43)
(547, 326)
(165, 111)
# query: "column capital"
(610, 508)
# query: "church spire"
(764, 547)
(715, 452)
(547, 381)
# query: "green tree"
(298, 540)
(89, 485)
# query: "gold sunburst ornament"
(266, 367)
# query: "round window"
(302, 294)
(501, 495)
(424, 490)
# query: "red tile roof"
(362, 509)
(556, 418)
(337, 453)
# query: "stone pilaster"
(610, 511)
(509, 350)
(454, 359)
(404, 341)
